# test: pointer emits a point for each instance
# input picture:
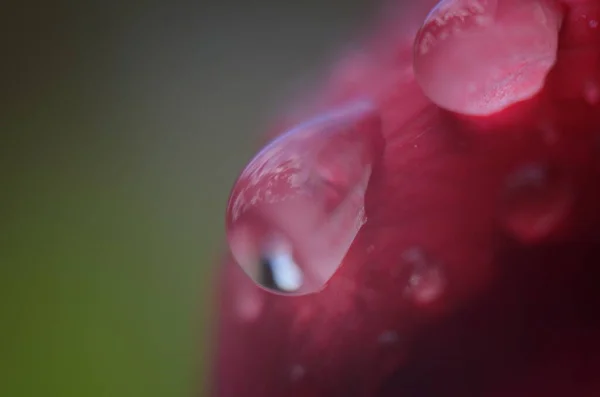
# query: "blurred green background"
(124, 125)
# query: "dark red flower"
(432, 228)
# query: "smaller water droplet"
(425, 282)
(297, 372)
(591, 92)
(535, 201)
(592, 23)
(248, 301)
(549, 134)
(388, 337)
(455, 67)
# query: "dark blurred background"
(124, 124)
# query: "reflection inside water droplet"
(535, 201)
(426, 281)
(279, 272)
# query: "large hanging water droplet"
(426, 281)
(535, 201)
(297, 207)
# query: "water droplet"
(248, 302)
(536, 199)
(593, 24)
(550, 135)
(426, 281)
(591, 92)
(249, 309)
(479, 57)
(388, 337)
(297, 372)
(296, 208)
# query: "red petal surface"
(476, 273)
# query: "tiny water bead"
(426, 281)
(388, 337)
(478, 57)
(248, 301)
(591, 92)
(297, 372)
(296, 208)
(536, 199)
